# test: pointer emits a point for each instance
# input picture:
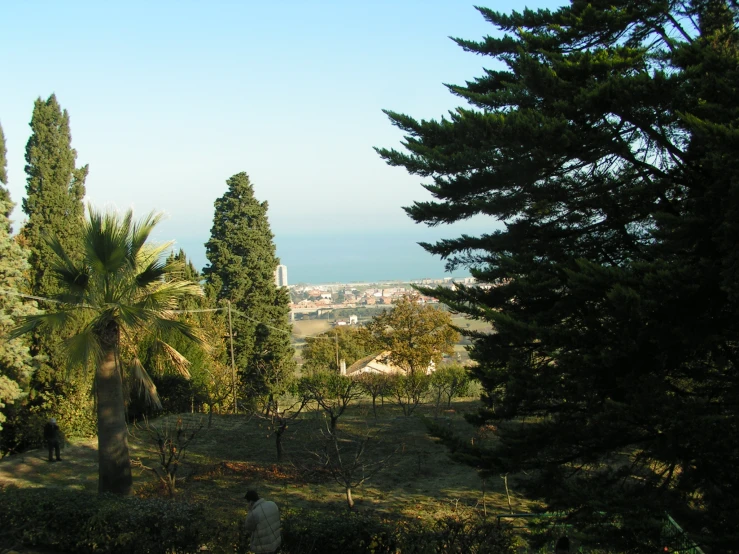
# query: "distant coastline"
(347, 259)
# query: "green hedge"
(305, 532)
(70, 521)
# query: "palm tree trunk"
(114, 462)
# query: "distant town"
(318, 299)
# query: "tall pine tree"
(242, 260)
(605, 143)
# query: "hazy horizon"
(168, 100)
(346, 258)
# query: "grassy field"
(309, 327)
(420, 480)
(472, 324)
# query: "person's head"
(251, 496)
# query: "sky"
(167, 100)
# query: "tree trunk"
(349, 499)
(374, 406)
(278, 442)
(114, 462)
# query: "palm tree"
(120, 288)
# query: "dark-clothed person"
(263, 522)
(562, 546)
(53, 439)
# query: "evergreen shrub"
(72, 521)
(306, 531)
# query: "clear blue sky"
(169, 99)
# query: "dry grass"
(310, 327)
(472, 324)
(237, 452)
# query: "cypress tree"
(54, 192)
(606, 146)
(242, 264)
(4, 193)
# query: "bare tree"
(350, 461)
(169, 447)
(280, 419)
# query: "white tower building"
(281, 276)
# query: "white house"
(379, 363)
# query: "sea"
(347, 258)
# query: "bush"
(177, 394)
(70, 521)
(457, 535)
(69, 402)
(306, 531)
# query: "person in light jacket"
(263, 522)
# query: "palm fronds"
(121, 280)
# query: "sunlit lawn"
(238, 452)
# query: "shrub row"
(305, 532)
(69, 521)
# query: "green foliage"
(73, 407)
(202, 375)
(332, 392)
(177, 394)
(16, 363)
(242, 260)
(71, 402)
(68, 521)
(53, 204)
(448, 382)
(415, 335)
(320, 352)
(4, 193)
(605, 145)
(408, 390)
(459, 534)
(210, 364)
(308, 531)
(121, 288)
(54, 192)
(375, 385)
